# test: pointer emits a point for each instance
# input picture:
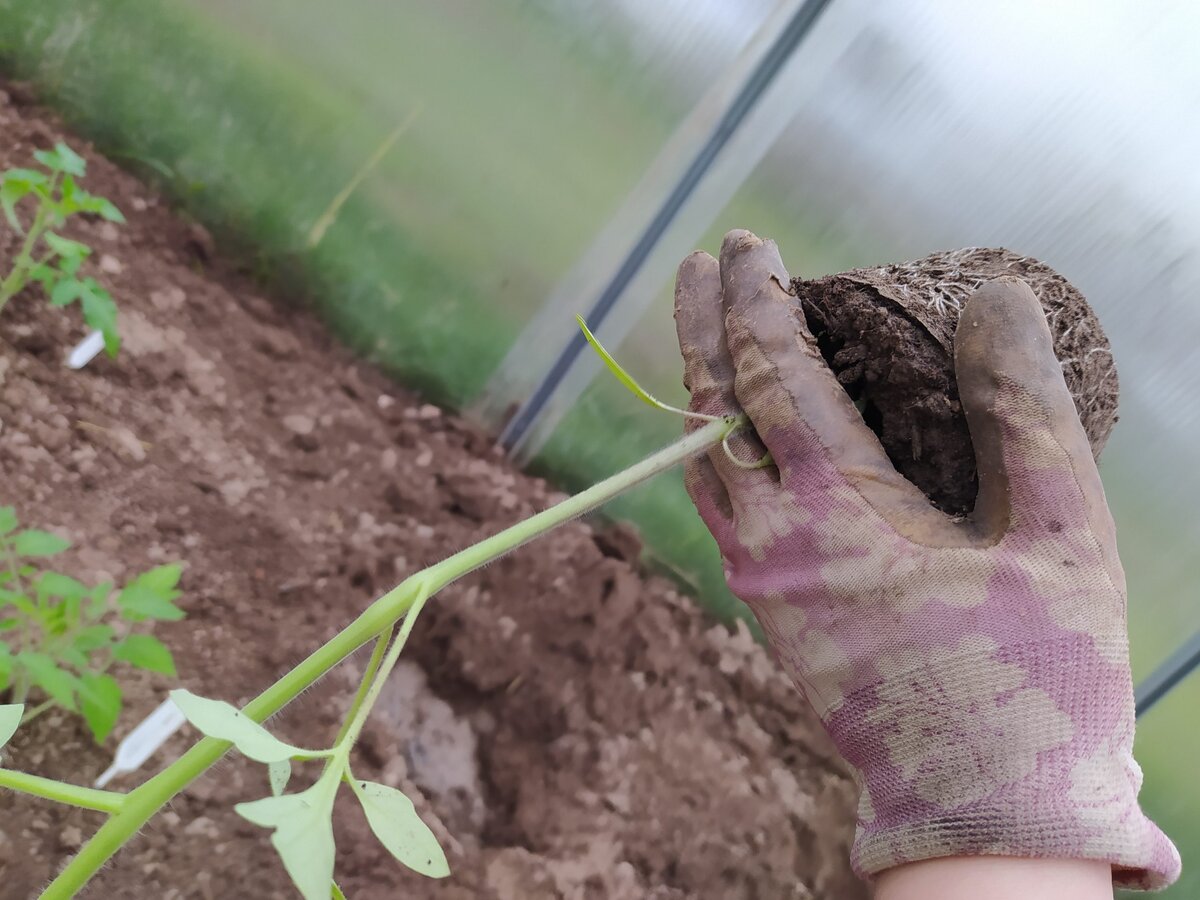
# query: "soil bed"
(570, 727)
(888, 333)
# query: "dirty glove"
(975, 672)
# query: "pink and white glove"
(974, 671)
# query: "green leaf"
(303, 833)
(62, 159)
(65, 247)
(100, 703)
(624, 377)
(46, 276)
(395, 822)
(28, 178)
(55, 585)
(145, 652)
(218, 719)
(58, 684)
(32, 542)
(335, 892)
(68, 290)
(279, 773)
(163, 579)
(74, 656)
(100, 312)
(10, 720)
(10, 623)
(99, 205)
(149, 595)
(8, 519)
(17, 184)
(93, 638)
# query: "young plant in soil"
(60, 638)
(45, 256)
(301, 821)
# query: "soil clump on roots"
(888, 334)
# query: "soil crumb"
(888, 334)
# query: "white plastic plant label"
(140, 743)
(85, 351)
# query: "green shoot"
(646, 397)
(60, 638)
(45, 256)
(630, 382)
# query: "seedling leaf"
(303, 833)
(149, 595)
(279, 773)
(8, 519)
(53, 584)
(10, 720)
(395, 822)
(68, 290)
(100, 703)
(32, 542)
(335, 892)
(146, 652)
(62, 159)
(93, 638)
(628, 380)
(65, 247)
(218, 719)
(100, 312)
(58, 684)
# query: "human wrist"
(996, 878)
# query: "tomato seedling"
(45, 256)
(60, 637)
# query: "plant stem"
(61, 792)
(31, 714)
(381, 645)
(23, 264)
(143, 802)
(360, 717)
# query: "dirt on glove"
(888, 334)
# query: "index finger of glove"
(708, 376)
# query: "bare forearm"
(996, 878)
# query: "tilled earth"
(569, 726)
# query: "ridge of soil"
(888, 334)
(569, 726)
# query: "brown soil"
(570, 727)
(888, 332)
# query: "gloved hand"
(975, 672)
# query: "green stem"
(143, 802)
(381, 644)
(342, 750)
(60, 792)
(31, 714)
(19, 275)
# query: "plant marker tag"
(85, 351)
(147, 737)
